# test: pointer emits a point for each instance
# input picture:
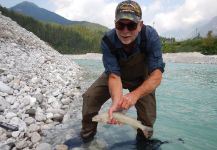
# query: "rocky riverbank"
(38, 87)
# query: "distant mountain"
(211, 25)
(32, 10)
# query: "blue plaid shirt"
(154, 54)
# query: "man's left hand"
(128, 100)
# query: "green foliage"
(67, 39)
(206, 45)
(209, 44)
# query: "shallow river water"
(186, 108)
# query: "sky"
(167, 16)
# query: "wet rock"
(43, 146)
(61, 147)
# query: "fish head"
(100, 118)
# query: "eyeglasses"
(130, 26)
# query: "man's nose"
(125, 29)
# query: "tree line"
(205, 45)
(67, 39)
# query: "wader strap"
(143, 43)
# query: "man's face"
(127, 30)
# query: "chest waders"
(134, 71)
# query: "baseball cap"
(128, 10)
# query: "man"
(133, 60)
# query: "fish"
(123, 119)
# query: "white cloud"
(187, 15)
(167, 15)
(98, 11)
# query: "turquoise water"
(186, 108)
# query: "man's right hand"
(115, 89)
(114, 108)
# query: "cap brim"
(127, 16)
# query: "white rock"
(10, 115)
(35, 137)
(11, 99)
(5, 147)
(40, 117)
(18, 122)
(44, 146)
(66, 117)
(33, 128)
(26, 100)
(15, 134)
(65, 101)
(56, 93)
(3, 94)
(51, 99)
(10, 77)
(5, 89)
(55, 111)
(25, 89)
(56, 105)
(15, 105)
(34, 80)
(49, 115)
(29, 120)
(21, 144)
(3, 137)
(3, 103)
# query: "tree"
(209, 44)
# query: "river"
(186, 112)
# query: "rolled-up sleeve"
(109, 60)
(155, 60)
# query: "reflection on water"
(107, 139)
(152, 144)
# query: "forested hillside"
(67, 39)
